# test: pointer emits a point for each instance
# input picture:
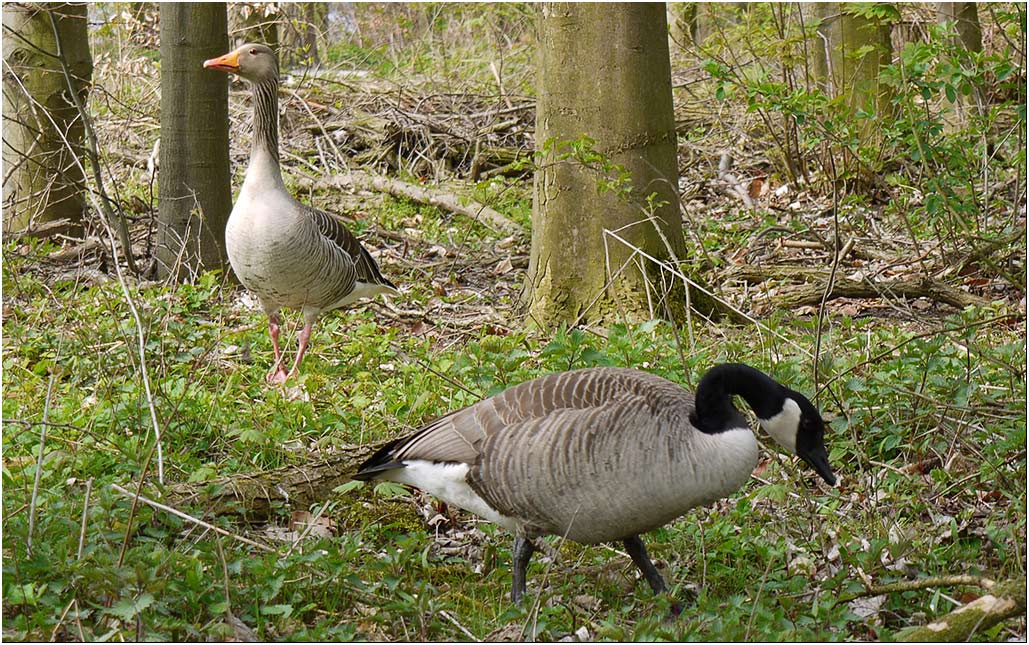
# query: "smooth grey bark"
(194, 182)
(603, 72)
(42, 128)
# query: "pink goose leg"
(278, 373)
(305, 335)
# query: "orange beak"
(227, 63)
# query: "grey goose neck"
(715, 412)
(266, 117)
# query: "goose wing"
(579, 399)
(349, 247)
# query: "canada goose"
(601, 454)
(289, 254)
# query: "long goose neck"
(263, 172)
(266, 120)
(714, 409)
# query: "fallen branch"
(921, 583)
(41, 230)
(811, 294)
(733, 185)
(442, 200)
(189, 518)
(254, 496)
(1005, 600)
(791, 297)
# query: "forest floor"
(920, 370)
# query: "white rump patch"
(362, 290)
(783, 426)
(448, 482)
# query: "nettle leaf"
(127, 608)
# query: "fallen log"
(254, 496)
(811, 294)
(791, 297)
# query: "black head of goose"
(289, 254)
(601, 454)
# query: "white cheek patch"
(783, 426)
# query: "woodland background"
(851, 194)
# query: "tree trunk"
(303, 23)
(849, 48)
(966, 15)
(814, 14)
(195, 194)
(255, 22)
(603, 73)
(42, 179)
(969, 38)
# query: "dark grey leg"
(523, 549)
(638, 553)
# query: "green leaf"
(351, 485)
(277, 610)
(127, 608)
(390, 490)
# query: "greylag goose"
(601, 454)
(288, 253)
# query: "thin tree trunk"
(966, 15)
(603, 73)
(848, 50)
(255, 22)
(195, 194)
(42, 179)
(303, 23)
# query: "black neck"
(714, 409)
(266, 117)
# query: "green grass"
(770, 561)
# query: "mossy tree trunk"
(194, 183)
(603, 75)
(42, 129)
(818, 45)
(969, 40)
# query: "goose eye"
(253, 52)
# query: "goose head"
(799, 428)
(254, 62)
